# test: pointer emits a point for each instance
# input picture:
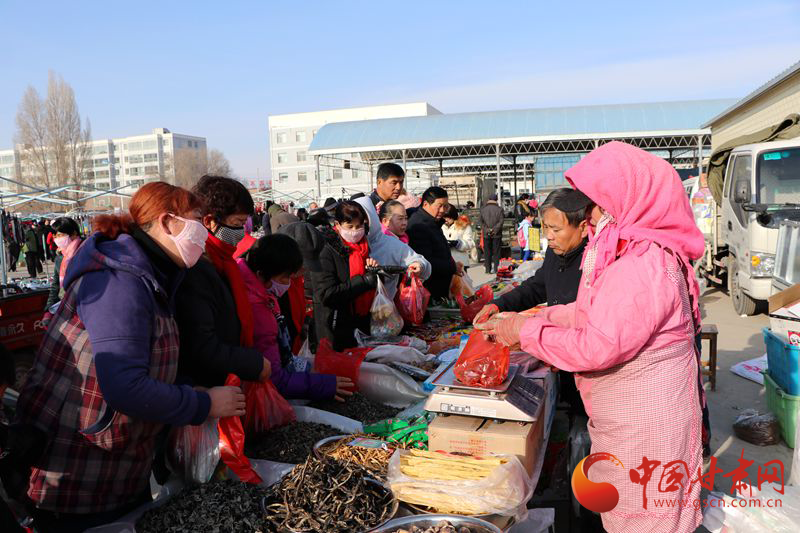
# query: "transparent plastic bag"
(756, 428)
(482, 363)
(412, 300)
(265, 408)
(385, 320)
(193, 451)
(505, 491)
(759, 510)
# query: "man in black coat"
(564, 221)
(426, 238)
(492, 229)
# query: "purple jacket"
(292, 385)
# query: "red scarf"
(221, 255)
(359, 253)
(297, 303)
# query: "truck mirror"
(741, 194)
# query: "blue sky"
(218, 69)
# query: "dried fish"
(288, 444)
(375, 460)
(327, 497)
(358, 407)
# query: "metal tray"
(476, 525)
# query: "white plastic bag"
(193, 451)
(505, 491)
(385, 320)
(399, 340)
(764, 515)
(390, 353)
(383, 384)
(751, 369)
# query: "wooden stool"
(709, 332)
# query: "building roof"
(598, 121)
(789, 72)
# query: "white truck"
(760, 190)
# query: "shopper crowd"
(151, 312)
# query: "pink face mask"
(191, 241)
(62, 242)
(351, 235)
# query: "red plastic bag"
(344, 364)
(412, 300)
(265, 408)
(231, 443)
(482, 363)
(470, 307)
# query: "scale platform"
(453, 397)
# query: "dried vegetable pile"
(291, 443)
(327, 497)
(375, 460)
(216, 506)
(442, 527)
(358, 407)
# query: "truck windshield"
(779, 176)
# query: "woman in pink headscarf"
(629, 337)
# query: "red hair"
(147, 205)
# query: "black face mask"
(229, 234)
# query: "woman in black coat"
(343, 289)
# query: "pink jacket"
(301, 385)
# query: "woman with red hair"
(103, 382)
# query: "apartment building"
(294, 173)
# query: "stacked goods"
(288, 444)
(358, 407)
(215, 506)
(327, 497)
(460, 484)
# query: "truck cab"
(761, 189)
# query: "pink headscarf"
(647, 200)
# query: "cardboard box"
(479, 436)
(784, 314)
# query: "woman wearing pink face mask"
(343, 288)
(102, 386)
(67, 239)
(268, 268)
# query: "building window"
(165, 143)
(133, 146)
(282, 157)
(300, 136)
(135, 171)
(302, 176)
(151, 170)
(149, 158)
(355, 173)
(149, 145)
(283, 177)
(337, 173)
(281, 137)
(301, 157)
(133, 159)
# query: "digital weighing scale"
(517, 398)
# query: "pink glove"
(486, 313)
(504, 327)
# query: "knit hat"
(308, 239)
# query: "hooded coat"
(389, 250)
(335, 292)
(102, 385)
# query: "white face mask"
(351, 235)
(62, 242)
(191, 241)
(278, 289)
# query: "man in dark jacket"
(32, 252)
(564, 219)
(389, 183)
(492, 228)
(426, 238)
(279, 218)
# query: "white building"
(294, 173)
(123, 161)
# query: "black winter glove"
(371, 279)
(23, 449)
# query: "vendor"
(102, 386)
(267, 269)
(343, 289)
(426, 238)
(630, 335)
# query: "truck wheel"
(742, 303)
